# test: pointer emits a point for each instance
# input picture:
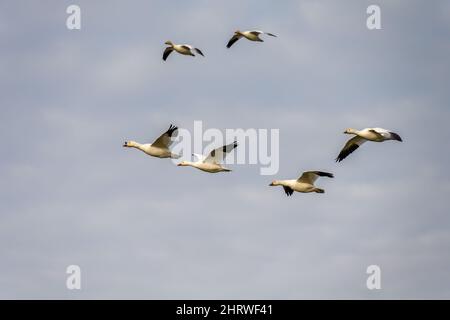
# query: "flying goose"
(361, 136)
(252, 35)
(180, 48)
(304, 184)
(159, 148)
(211, 163)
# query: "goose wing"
(167, 52)
(233, 40)
(351, 145)
(199, 157)
(219, 154)
(187, 47)
(199, 52)
(258, 32)
(386, 134)
(165, 140)
(311, 176)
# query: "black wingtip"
(229, 147)
(199, 52)
(396, 136)
(324, 174)
(288, 191)
(172, 129)
(232, 41)
(346, 152)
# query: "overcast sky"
(140, 227)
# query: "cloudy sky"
(140, 227)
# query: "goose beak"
(179, 165)
(271, 184)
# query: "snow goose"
(180, 48)
(252, 35)
(304, 184)
(361, 136)
(159, 148)
(211, 163)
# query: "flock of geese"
(211, 163)
(188, 50)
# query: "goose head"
(183, 164)
(129, 144)
(350, 131)
(169, 43)
(238, 32)
(274, 183)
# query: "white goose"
(304, 184)
(159, 148)
(211, 163)
(361, 136)
(180, 48)
(252, 35)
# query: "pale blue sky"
(140, 227)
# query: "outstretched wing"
(256, 32)
(394, 136)
(165, 140)
(187, 47)
(199, 157)
(219, 154)
(311, 176)
(233, 40)
(167, 52)
(199, 52)
(388, 135)
(351, 145)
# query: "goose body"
(211, 163)
(160, 147)
(361, 136)
(206, 167)
(304, 184)
(252, 35)
(183, 49)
